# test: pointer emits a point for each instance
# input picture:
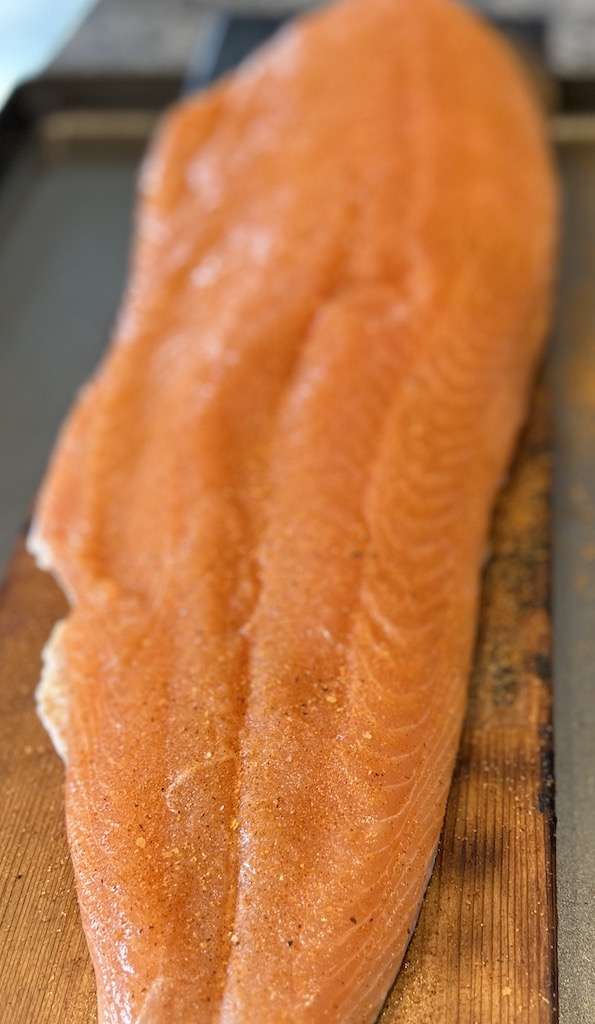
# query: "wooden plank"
(45, 975)
(484, 949)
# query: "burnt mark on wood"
(547, 787)
(541, 665)
(505, 683)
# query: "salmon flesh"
(270, 507)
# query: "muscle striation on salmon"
(270, 506)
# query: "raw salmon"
(269, 510)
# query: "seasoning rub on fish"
(270, 507)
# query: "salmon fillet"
(269, 510)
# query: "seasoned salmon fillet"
(270, 507)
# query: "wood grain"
(45, 975)
(484, 951)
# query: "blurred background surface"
(32, 31)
